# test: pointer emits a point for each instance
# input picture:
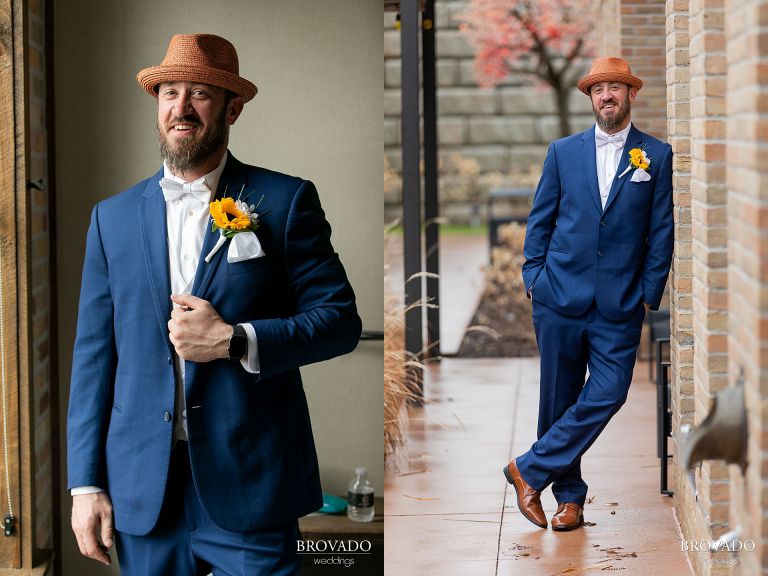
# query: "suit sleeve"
(93, 365)
(541, 220)
(325, 323)
(661, 236)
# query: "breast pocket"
(260, 264)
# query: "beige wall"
(318, 66)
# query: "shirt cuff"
(251, 360)
(80, 490)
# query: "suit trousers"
(186, 542)
(572, 411)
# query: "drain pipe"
(723, 433)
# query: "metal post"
(409, 49)
(431, 205)
(664, 416)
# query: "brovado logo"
(716, 545)
(333, 546)
(333, 552)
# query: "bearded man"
(189, 440)
(598, 248)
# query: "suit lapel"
(233, 178)
(590, 165)
(634, 140)
(154, 239)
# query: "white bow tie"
(603, 139)
(173, 190)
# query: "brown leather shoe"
(568, 517)
(528, 499)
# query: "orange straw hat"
(609, 70)
(198, 58)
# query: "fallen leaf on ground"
(412, 472)
(591, 499)
(612, 504)
(597, 566)
(458, 420)
(485, 330)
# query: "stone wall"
(505, 128)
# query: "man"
(188, 429)
(598, 248)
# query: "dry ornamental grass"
(501, 326)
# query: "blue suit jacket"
(576, 252)
(251, 448)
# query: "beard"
(612, 121)
(188, 153)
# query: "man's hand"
(197, 331)
(647, 307)
(92, 525)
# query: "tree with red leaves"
(548, 39)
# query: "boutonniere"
(236, 219)
(639, 161)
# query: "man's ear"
(632, 93)
(234, 108)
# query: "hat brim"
(588, 81)
(150, 78)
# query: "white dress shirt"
(608, 156)
(187, 219)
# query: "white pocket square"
(244, 246)
(640, 175)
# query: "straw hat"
(609, 70)
(198, 58)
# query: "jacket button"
(170, 360)
(602, 223)
(167, 416)
(600, 253)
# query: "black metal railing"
(371, 335)
(663, 412)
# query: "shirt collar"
(211, 179)
(622, 134)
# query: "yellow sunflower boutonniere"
(236, 219)
(639, 161)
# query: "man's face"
(611, 104)
(193, 123)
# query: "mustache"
(188, 119)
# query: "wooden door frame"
(19, 553)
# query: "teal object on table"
(333, 504)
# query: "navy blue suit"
(589, 270)
(251, 449)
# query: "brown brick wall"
(642, 45)
(710, 239)
(635, 30)
(678, 79)
(716, 76)
(41, 320)
(747, 213)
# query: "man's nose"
(182, 105)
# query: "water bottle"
(360, 496)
